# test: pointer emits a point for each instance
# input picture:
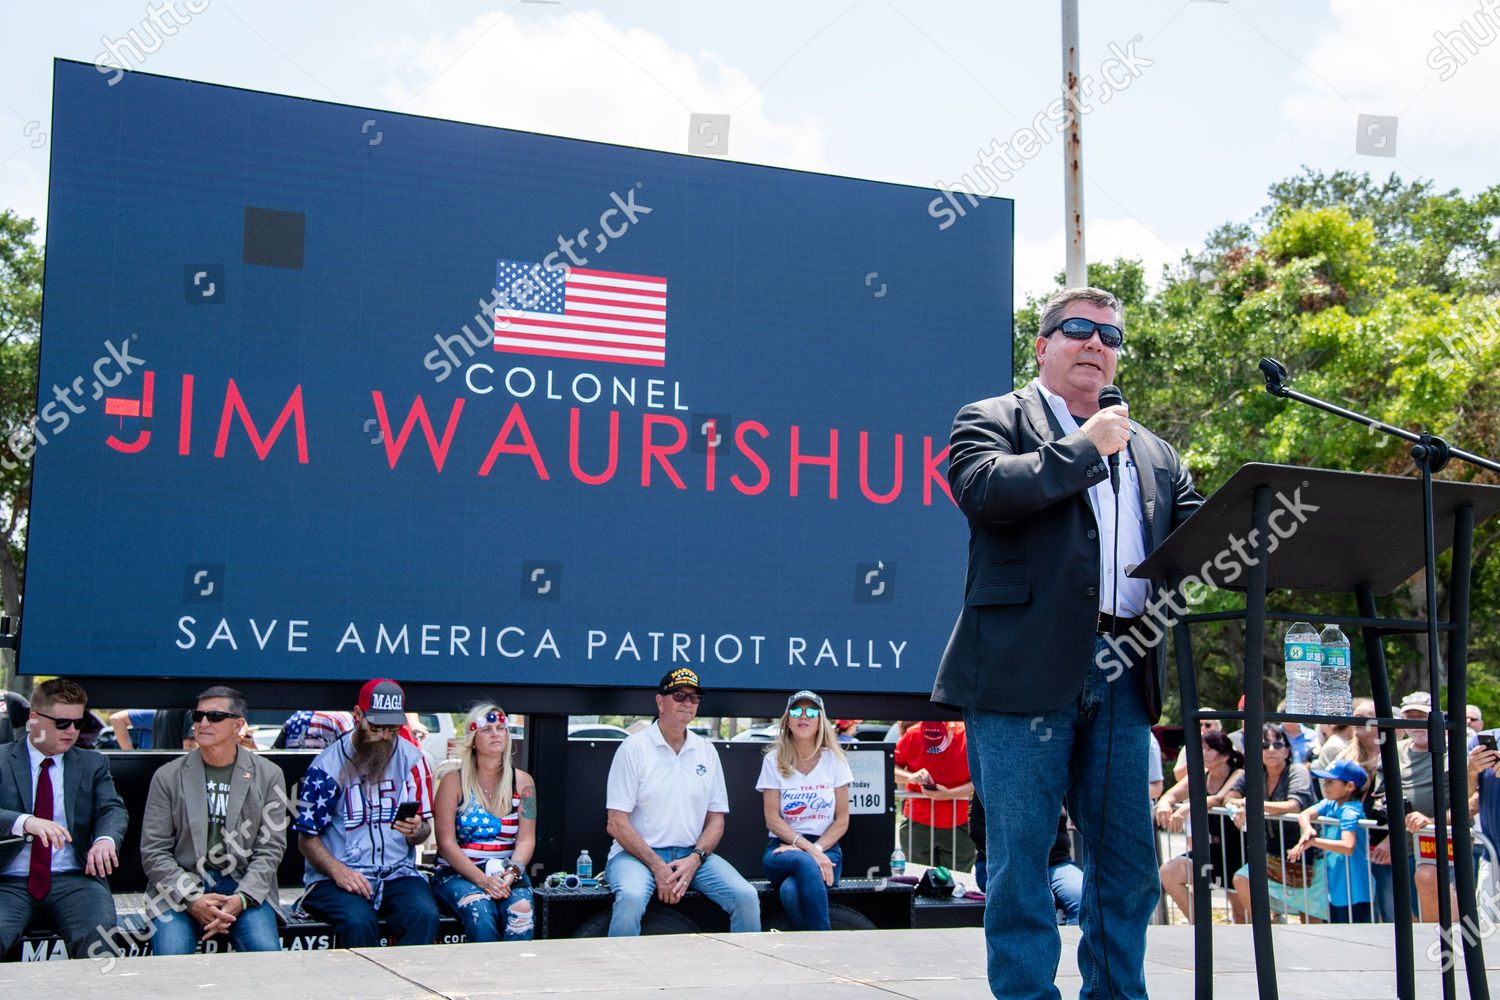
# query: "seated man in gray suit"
(65, 799)
(213, 834)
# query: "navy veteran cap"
(681, 677)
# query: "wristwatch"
(702, 854)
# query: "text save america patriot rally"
(585, 314)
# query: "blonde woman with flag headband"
(805, 780)
(485, 812)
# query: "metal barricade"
(956, 835)
(1226, 855)
(1304, 892)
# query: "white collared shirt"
(1133, 593)
(64, 860)
(667, 793)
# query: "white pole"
(1077, 265)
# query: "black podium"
(1338, 532)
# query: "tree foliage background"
(20, 325)
(1383, 295)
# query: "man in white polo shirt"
(667, 802)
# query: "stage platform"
(1324, 962)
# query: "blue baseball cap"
(1343, 770)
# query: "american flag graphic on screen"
(581, 313)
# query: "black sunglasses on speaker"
(214, 717)
(1078, 328)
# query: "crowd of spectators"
(1328, 844)
(1223, 768)
(210, 843)
(217, 821)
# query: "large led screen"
(332, 393)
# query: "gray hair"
(1054, 312)
(236, 700)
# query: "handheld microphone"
(1110, 395)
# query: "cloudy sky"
(1213, 100)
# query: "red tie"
(40, 878)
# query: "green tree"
(1438, 239)
(20, 325)
(1381, 296)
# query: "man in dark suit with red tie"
(64, 799)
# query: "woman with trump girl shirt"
(805, 781)
(485, 814)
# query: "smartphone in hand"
(1487, 740)
(406, 811)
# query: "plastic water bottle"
(898, 862)
(585, 865)
(1304, 658)
(1334, 697)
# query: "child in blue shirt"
(1348, 866)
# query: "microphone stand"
(1433, 449)
(1430, 453)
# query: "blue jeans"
(175, 933)
(796, 876)
(480, 915)
(634, 887)
(1024, 764)
(1383, 889)
(1383, 892)
(406, 903)
(1067, 890)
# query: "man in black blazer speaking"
(64, 798)
(1049, 708)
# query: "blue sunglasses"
(801, 710)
